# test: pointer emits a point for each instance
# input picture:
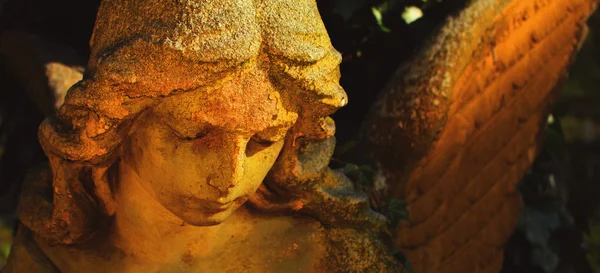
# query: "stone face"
(199, 140)
(456, 129)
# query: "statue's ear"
(103, 192)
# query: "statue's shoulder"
(360, 251)
(26, 256)
(35, 202)
(305, 245)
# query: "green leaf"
(350, 169)
(362, 175)
(366, 175)
(397, 211)
(379, 19)
(346, 147)
(5, 250)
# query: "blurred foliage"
(537, 243)
(375, 39)
(592, 241)
(363, 175)
(559, 229)
(581, 123)
(5, 241)
(397, 211)
(584, 77)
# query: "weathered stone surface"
(187, 110)
(456, 129)
(60, 78)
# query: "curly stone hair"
(144, 51)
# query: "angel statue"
(199, 140)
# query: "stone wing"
(455, 130)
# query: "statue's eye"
(201, 134)
(193, 138)
(188, 135)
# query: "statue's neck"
(146, 229)
(146, 237)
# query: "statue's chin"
(203, 222)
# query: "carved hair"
(143, 51)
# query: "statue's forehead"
(247, 103)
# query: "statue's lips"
(212, 206)
(206, 205)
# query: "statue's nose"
(231, 169)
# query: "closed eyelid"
(189, 135)
(192, 131)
